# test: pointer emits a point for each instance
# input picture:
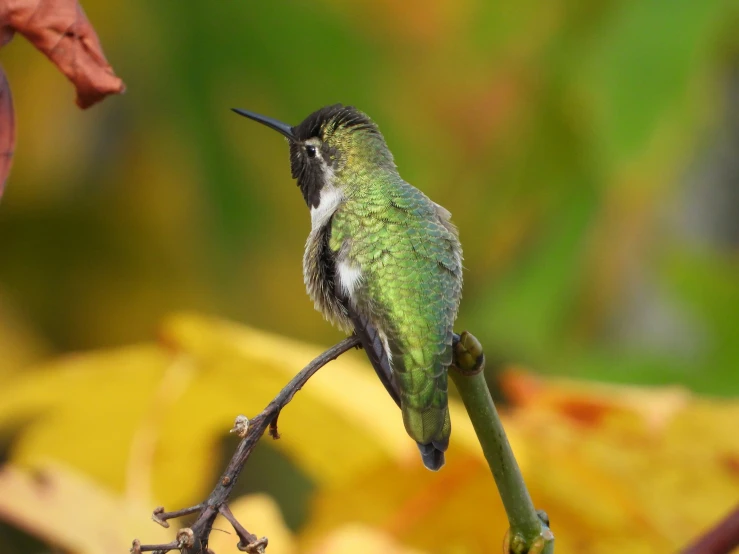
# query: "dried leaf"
(7, 129)
(60, 29)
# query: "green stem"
(528, 533)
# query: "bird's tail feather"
(433, 457)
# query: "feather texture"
(384, 261)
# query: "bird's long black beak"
(278, 126)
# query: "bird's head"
(336, 146)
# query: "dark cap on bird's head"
(323, 142)
(319, 124)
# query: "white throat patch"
(331, 197)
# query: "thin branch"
(529, 530)
(248, 542)
(721, 539)
(194, 540)
(160, 516)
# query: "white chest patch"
(349, 278)
(331, 197)
(386, 346)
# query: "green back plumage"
(410, 287)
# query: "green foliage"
(559, 136)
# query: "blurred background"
(587, 151)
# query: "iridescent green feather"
(410, 261)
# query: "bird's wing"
(373, 345)
(368, 334)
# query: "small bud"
(469, 358)
(256, 547)
(517, 545)
(537, 547)
(135, 547)
(185, 538)
(241, 426)
(273, 432)
(155, 517)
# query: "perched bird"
(382, 260)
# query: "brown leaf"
(60, 29)
(7, 129)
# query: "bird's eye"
(310, 151)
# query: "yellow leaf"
(360, 539)
(83, 410)
(159, 413)
(341, 423)
(454, 510)
(618, 469)
(69, 511)
(19, 345)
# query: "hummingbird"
(382, 260)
